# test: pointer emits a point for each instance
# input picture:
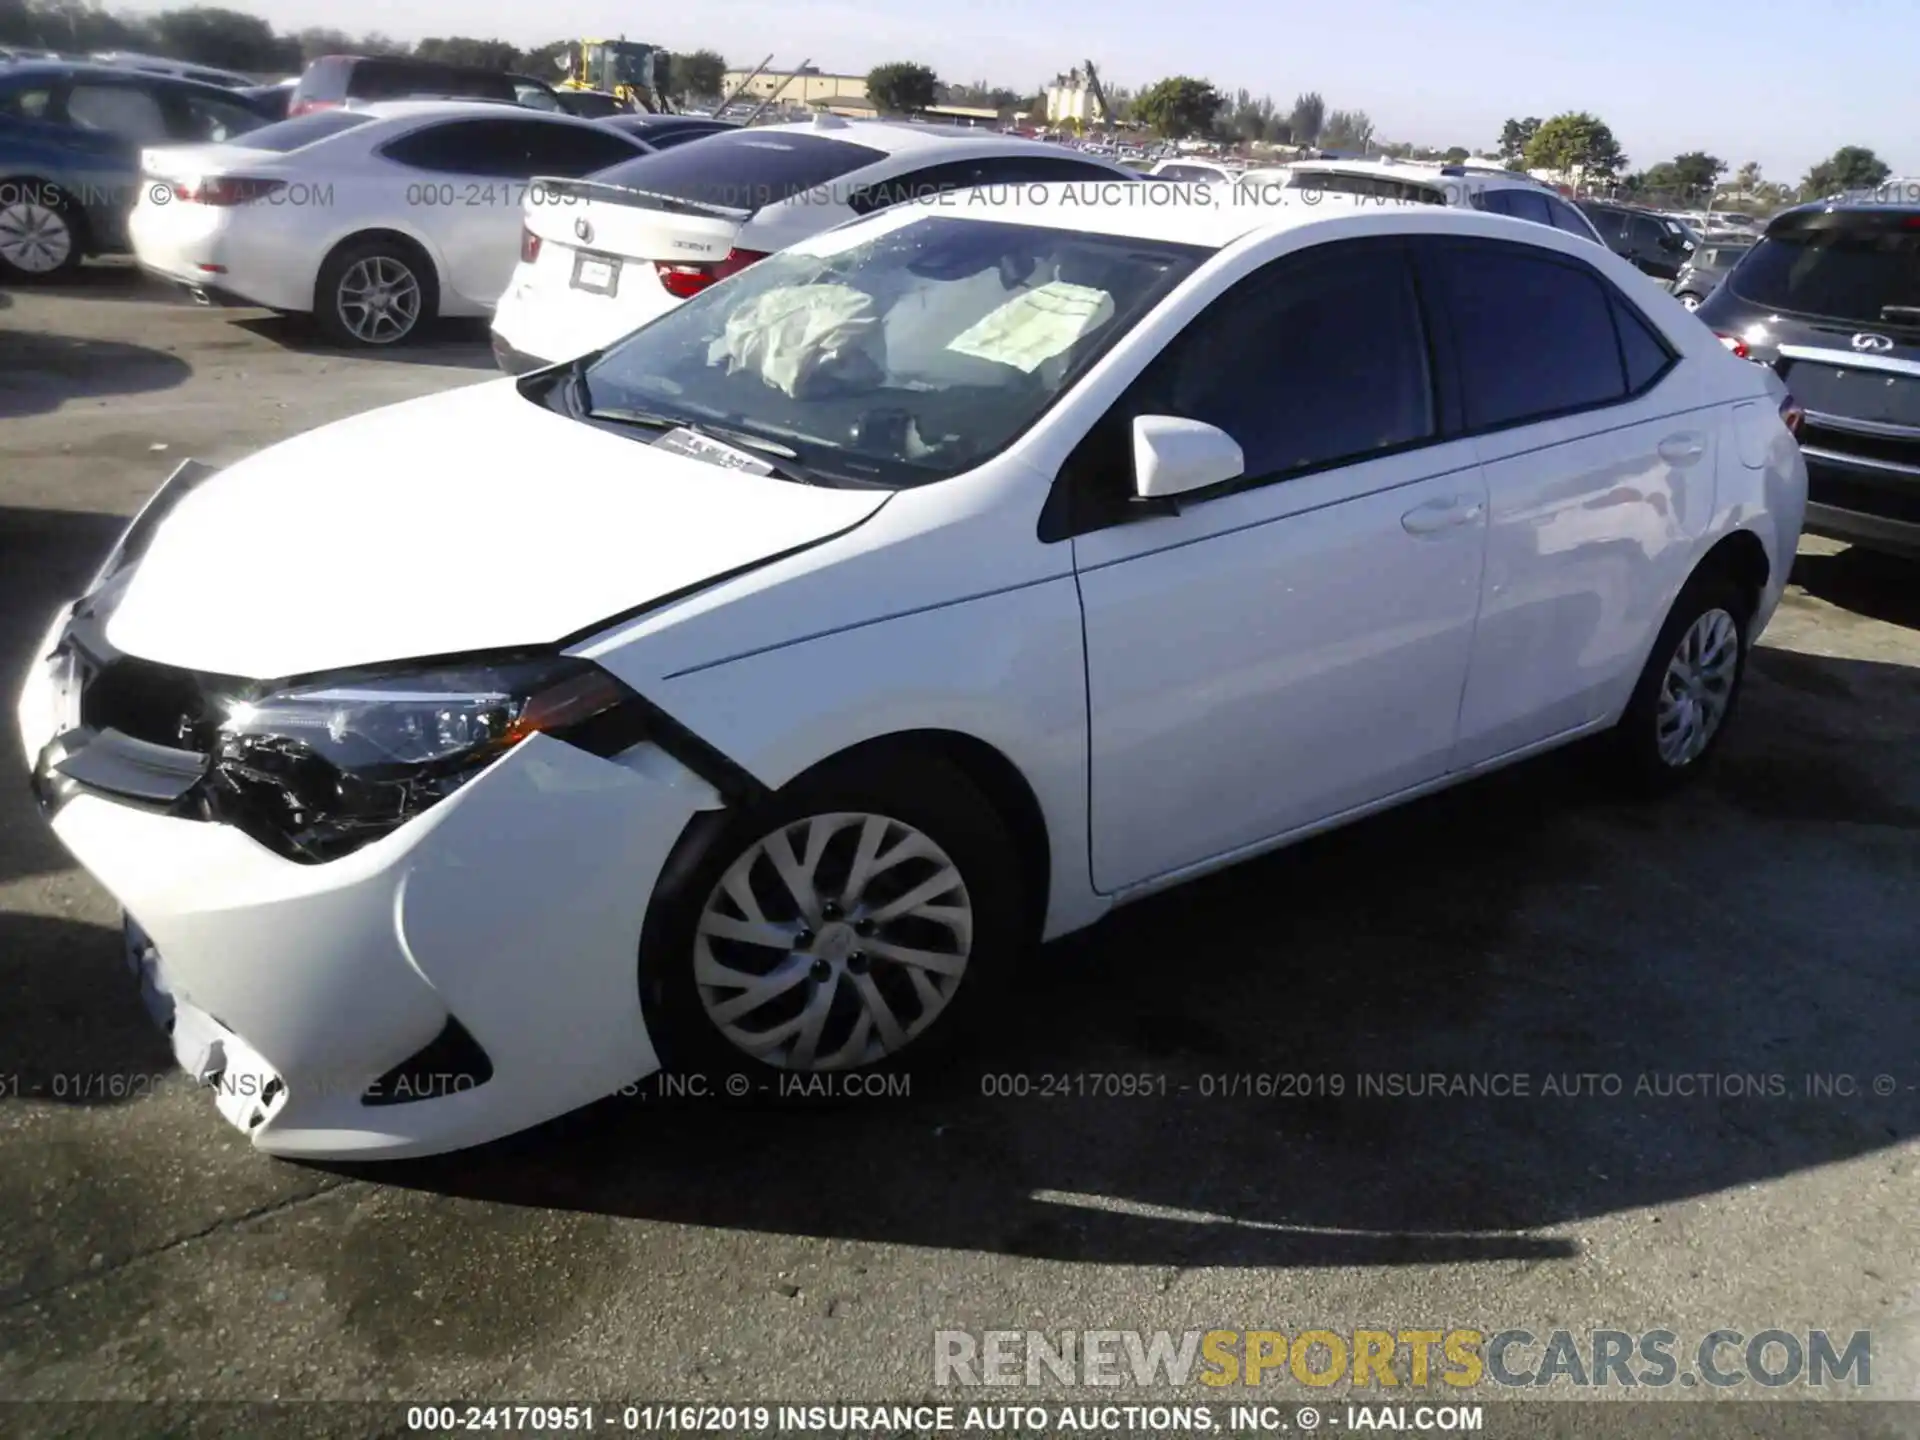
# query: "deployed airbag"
(806, 340)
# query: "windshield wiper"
(653, 420)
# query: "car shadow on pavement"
(1327, 1046)
(39, 372)
(1867, 582)
(454, 342)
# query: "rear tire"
(1688, 690)
(847, 985)
(42, 236)
(374, 293)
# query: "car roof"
(1414, 172)
(89, 70)
(407, 109)
(900, 137)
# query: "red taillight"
(1792, 416)
(307, 107)
(683, 282)
(226, 190)
(529, 246)
(1736, 345)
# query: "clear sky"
(1782, 83)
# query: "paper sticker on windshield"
(699, 447)
(1036, 325)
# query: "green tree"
(1851, 167)
(1698, 172)
(224, 38)
(1575, 141)
(1515, 136)
(1307, 118)
(699, 76)
(902, 88)
(1178, 107)
(1747, 178)
(1348, 130)
(466, 50)
(1457, 155)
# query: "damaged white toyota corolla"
(746, 697)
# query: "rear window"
(397, 79)
(1846, 266)
(743, 170)
(290, 135)
(1377, 187)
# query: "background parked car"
(373, 219)
(1706, 268)
(1504, 194)
(634, 242)
(161, 65)
(275, 98)
(663, 132)
(1830, 298)
(1648, 241)
(591, 104)
(70, 142)
(334, 80)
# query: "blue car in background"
(70, 143)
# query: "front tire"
(1688, 299)
(374, 293)
(861, 919)
(1686, 694)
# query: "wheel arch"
(405, 239)
(1741, 556)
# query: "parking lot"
(1767, 924)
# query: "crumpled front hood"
(472, 520)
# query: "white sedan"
(375, 220)
(603, 256)
(927, 589)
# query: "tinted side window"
(1317, 359)
(1525, 205)
(200, 118)
(1566, 218)
(1046, 170)
(575, 150)
(27, 102)
(1648, 235)
(1610, 223)
(1641, 347)
(124, 110)
(457, 147)
(1534, 335)
(918, 184)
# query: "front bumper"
(510, 911)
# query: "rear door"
(1599, 457)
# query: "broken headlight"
(317, 770)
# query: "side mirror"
(1173, 457)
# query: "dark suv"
(333, 80)
(1830, 297)
(1644, 238)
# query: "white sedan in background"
(601, 257)
(925, 590)
(374, 220)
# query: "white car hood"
(471, 520)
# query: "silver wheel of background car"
(34, 238)
(833, 942)
(1697, 688)
(1692, 302)
(379, 299)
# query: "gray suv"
(1707, 267)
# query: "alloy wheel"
(34, 238)
(1697, 688)
(833, 942)
(379, 299)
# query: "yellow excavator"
(633, 73)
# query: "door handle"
(1682, 449)
(1438, 515)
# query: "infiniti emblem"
(585, 231)
(1872, 342)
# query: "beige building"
(1072, 97)
(808, 86)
